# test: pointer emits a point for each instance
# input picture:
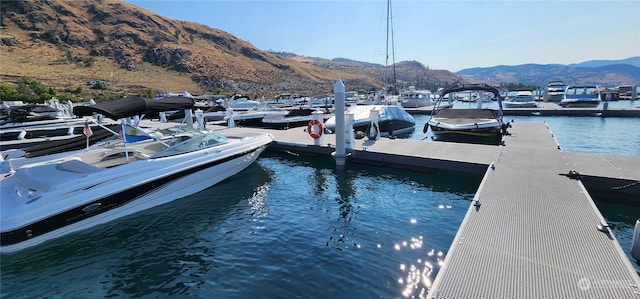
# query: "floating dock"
(553, 109)
(532, 230)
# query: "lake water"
(288, 227)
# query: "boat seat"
(43, 177)
(76, 165)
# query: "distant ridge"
(633, 61)
(602, 72)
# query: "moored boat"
(521, 99)
(581, 96)
(57, 196)
(392, 119)
(554, 92)
(472, 125)
(414, 98)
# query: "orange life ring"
(314, 128)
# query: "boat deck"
(532, 231)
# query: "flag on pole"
(131, 134)
(87, 130)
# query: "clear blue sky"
(451, 35)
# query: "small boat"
(296, 117)
(471, 125)
(37, 121)
(581, 96)
(554, 92)
(254, 116)
(522, 99)
(414, 98)
(392, 119)
(57, 196)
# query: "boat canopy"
(131, 106)
(470, 87)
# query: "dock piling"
(340, 154)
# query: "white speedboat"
(253, 117)
(392, 119)
(414, 98)
(521, 99)
(581, 96)
(57, 196)
(296, 117)
(554, 92)
(469, 125)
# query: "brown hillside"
(68, 43)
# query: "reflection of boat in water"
(473, 125)
(522, 99)
(581, 96)
(392, 119)
(48, 199)
(554, 92)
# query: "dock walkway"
(532, 231)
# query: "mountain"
(66, 44)
(633, 61)
(602, 72)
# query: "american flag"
(87, 130)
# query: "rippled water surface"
(290, 227)
(282, 228)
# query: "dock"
(532, 230)
(553, 109)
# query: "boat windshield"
(194, 143)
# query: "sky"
(450, 35)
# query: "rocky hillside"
(69, 43)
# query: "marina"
(535, 195)
(430, 158)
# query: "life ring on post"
(315, 129)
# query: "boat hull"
(580, 104)
(491, 135)
(388, 127)
(107, 204)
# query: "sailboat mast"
(393, 51)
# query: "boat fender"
(635, 244)
(390, 129)
(372, 131)
(315, 129)
(425, 128)
(22, 135)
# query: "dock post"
(200, 119)
(340, 154)
(605, 106)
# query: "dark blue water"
(286, 227)
(289, 227)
